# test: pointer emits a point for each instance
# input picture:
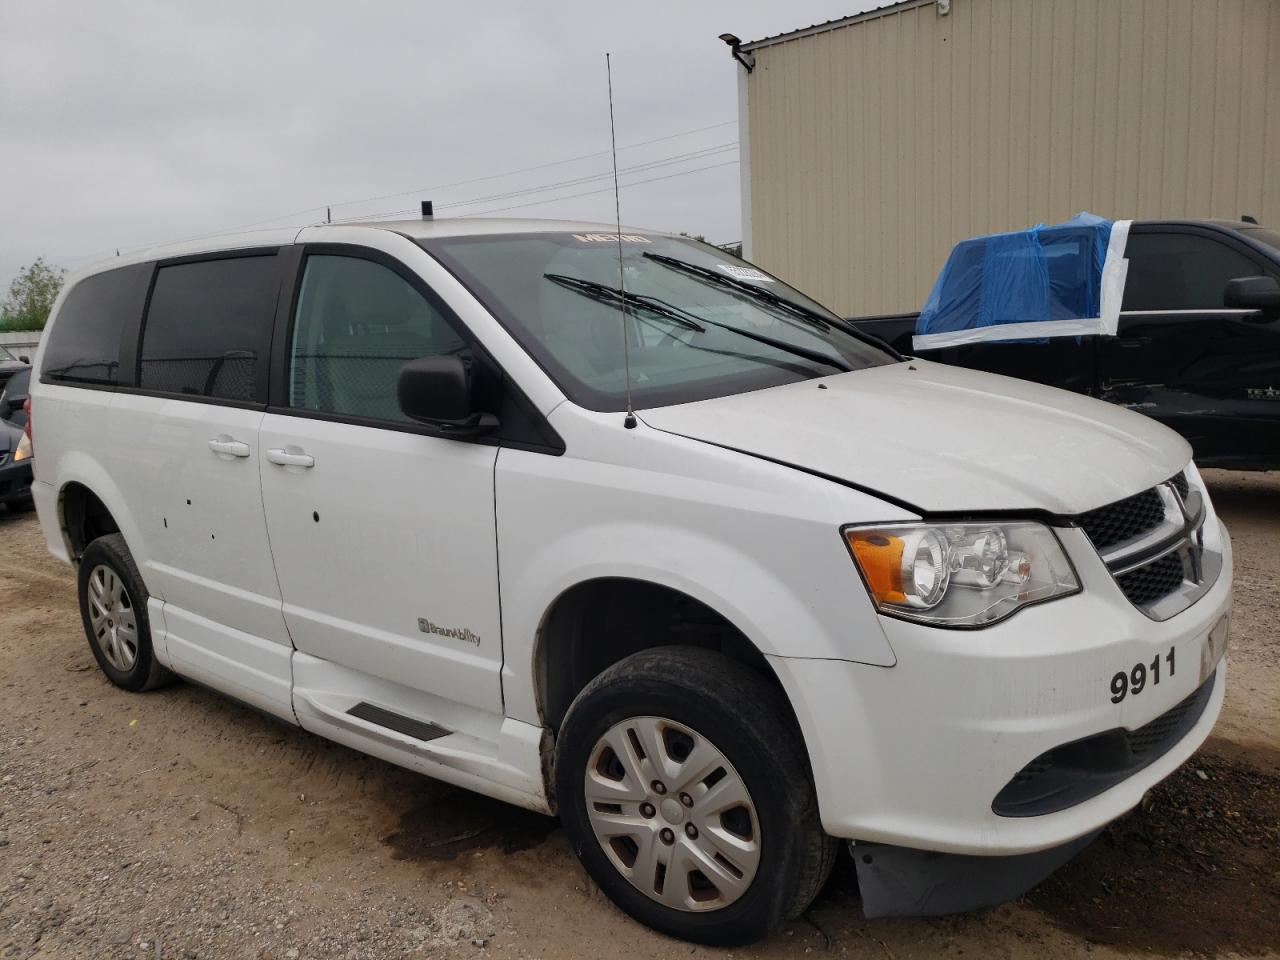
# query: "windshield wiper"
(811, 317)
(611, 295)
(619, 298)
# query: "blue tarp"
(1047, 273)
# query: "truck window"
(1181, 271)
(208, 324)
(84, 343)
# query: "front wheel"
(684, 787)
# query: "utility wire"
(519, 206)
(576, 181)
(327, 207)
(703, 154)
(589, 193)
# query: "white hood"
(944, 438)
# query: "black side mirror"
(24, 358)
(13, 404)
(1252, 293)
(437, 391)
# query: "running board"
(418, 729)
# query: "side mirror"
(13, 404)
(437, 391)
(24, 358)
(1253, 293)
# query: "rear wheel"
(113, 607)
(685, 789)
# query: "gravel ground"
(178, 824)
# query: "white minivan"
(613, 525)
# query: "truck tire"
(684, 787)
(113, 608)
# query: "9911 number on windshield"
(1135, 680)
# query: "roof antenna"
(630, 420)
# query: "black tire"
(747, 719)
(21, 505)
(145, 673)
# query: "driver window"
(1181, 271)
(357, 323)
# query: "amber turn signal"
(879, 557)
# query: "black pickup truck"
(1197, 348)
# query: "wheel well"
(84, 518)
(595, 624)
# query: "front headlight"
(960, 574)
(23, 452)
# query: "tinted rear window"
(208, 328)
(84, 341)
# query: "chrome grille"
(1153, 544)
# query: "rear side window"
(208, 328)
(1181, 271)
(84, 341)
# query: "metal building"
(873, 143)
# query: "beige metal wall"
(875, 146)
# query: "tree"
(31, 296)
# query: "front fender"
(771, 563)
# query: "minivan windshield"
(699, 322)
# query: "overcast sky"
(135, 123)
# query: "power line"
(702, 154)
(383, 215)
(651, 165)
(588, 193)
(540, 166)
(327, 207)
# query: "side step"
(418, 729)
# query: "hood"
(943, 438)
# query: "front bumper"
(914, 755)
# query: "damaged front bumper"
(901, 882)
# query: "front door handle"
(290, 458)
(227, 447)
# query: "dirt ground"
(177, 825)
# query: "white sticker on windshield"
(745, 273)
(610, 238)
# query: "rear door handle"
(227, 447)
(288, 458)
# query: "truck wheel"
(684, 787)
(113, 606)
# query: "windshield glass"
(1263, 235)
(6, 355)
(700, 322)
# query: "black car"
(1197, 348)
(15, 448)
(9, 365)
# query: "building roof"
(875, 13)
